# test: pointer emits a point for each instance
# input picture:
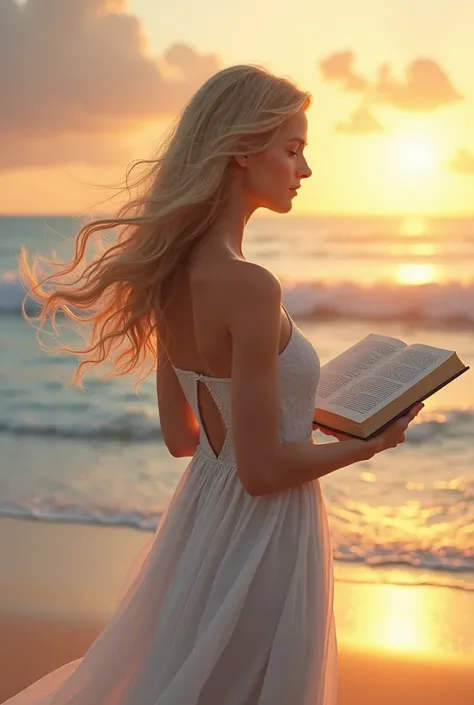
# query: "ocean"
(97, 457)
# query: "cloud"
(338, 68)
(36, 152)
(73, 72)
(361, 122)
(462, 162)
(424, 87)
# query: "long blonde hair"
(123, 292)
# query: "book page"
(346, 367)
(413, 363)
(386, 381)
(365, 397)
(441, 354)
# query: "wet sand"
(59, 583)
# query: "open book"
(378, 379)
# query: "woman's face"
(273, 175)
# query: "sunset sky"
(87, 86)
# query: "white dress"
(231, 603)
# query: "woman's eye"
(295, 154)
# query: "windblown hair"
(123, 292)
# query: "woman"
(232, 603)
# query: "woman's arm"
(179, 426)
(264, 463)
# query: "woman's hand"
(334, 434)
(392, 436)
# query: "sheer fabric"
(231, 602)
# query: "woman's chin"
(284, 207)
(288, 207)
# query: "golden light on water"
(367, 476)
(399, 622)
(425, 249)
(414, 226)
(412, 273)
(402, 629)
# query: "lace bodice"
(299, 369)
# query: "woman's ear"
(241, 160)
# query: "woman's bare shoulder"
(235, 280)
(235, 293)
(255, 296)
(248, 279)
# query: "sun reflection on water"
(414, 226)
(416, 249)
(400, 621)
(416, 273)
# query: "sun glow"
(415, 155)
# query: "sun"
(415, 155)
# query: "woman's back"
(195, 337)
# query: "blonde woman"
(232, 603)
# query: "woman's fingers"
(405, 420)
(414, 411)
(402, 423)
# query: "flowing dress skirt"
(231, 603)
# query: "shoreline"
(344, 571)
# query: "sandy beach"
(59, 582)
